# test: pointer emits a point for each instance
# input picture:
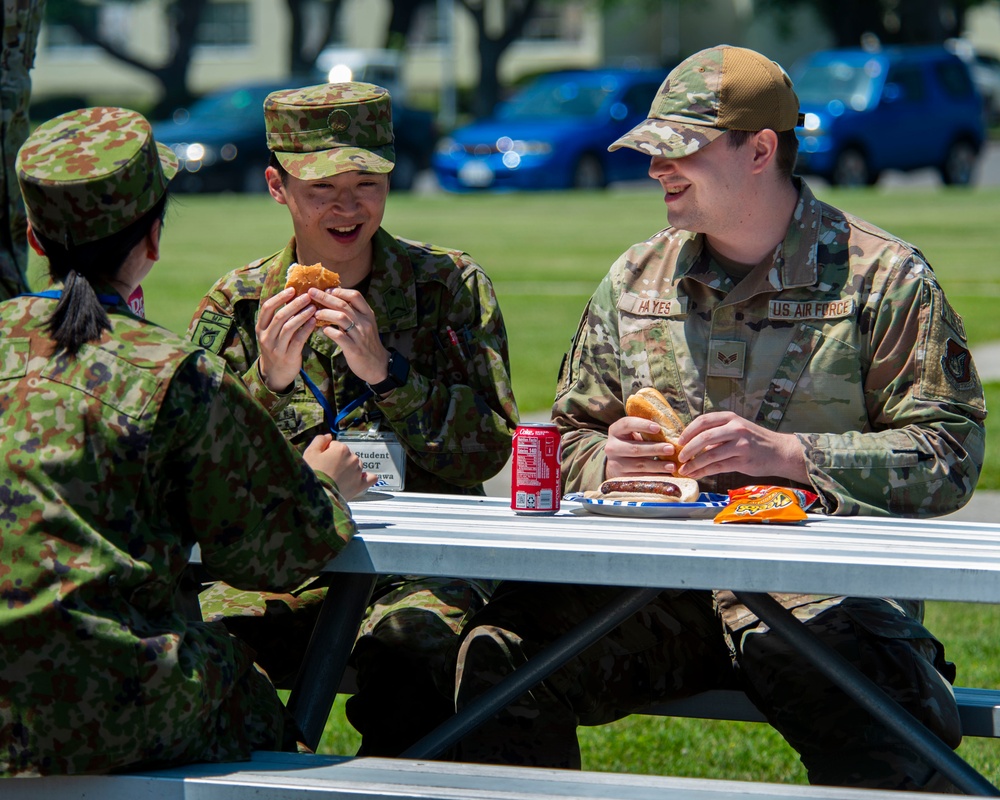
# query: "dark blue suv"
(901, 108)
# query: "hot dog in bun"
(650, 489)
(303, 277)
(649, 404)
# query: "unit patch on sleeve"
(957, 365)
(211, 330)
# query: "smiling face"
(706, 192)
(334, 218)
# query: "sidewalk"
(983, 507)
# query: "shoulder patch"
(956, 361)
(210, 332)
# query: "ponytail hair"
(80, 317)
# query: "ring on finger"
(353, 323)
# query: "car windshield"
(554, 98)
(854, 85)
(246, 105)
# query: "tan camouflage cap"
(89, 173)
(321, 131)
(718, 89)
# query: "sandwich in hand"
(649, 404)
(303, 277)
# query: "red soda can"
(536, 478)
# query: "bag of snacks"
(771, 504)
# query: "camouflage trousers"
(680, 645)
(221, 711)
(404, 655)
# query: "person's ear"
(33, 241)
(275, 185)
(153, 241)
(765, 148)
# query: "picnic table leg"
(867, 694)
(533, 671)
(318, 679)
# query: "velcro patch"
(726, 359)
(652, 306)
(811, 309)
(211, 330)
(957, 365)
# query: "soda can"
(536, 478)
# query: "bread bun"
(649, 404)
(650, 488)
(303, 277)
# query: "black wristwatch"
(399, 371)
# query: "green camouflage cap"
(719, 89)
(89, 173)
(321, 131)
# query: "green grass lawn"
(546, 253)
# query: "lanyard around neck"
(333, 422)
(54, 294)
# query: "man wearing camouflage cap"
(804, 348)
(123, 446)
(410, 352)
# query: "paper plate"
(706, 507)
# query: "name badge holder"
(380, 453)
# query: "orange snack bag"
(767, 504)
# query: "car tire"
(589, 173)
(852, 169)
(404, 173)
(959, 164)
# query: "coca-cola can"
(536, 479)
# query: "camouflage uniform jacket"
(456, 414)
(114, 464)
(845, 339)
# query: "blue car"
(899, 108)
(553, 134)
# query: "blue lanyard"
(55, 294)
(333, 422)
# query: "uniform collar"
(795, 261)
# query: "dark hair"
(79, 317)
(788, 148)
(273, 162)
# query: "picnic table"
(481, 537)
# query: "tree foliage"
(892, 21)
(171, 74)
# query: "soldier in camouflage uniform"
(20, 22)
(803, 347)
(123, 446)
(322, 362)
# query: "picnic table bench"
(480, 537)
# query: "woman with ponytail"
(123, 446)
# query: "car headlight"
(531, 148)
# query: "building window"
(224, 24)
(555, 22)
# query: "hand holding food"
(649, 403)
(303, 277)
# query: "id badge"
(380, 453)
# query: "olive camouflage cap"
(87, 174)
(715, 90)
(321, 131)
